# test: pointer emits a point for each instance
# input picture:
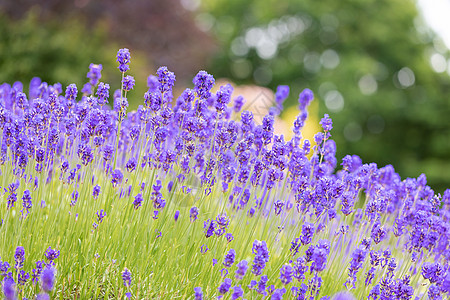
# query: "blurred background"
(377, 67)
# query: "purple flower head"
(286, 273)
(116, 177)
(42, 296)
(193, 213)
(229, 237)
(102, 93)
(131, 164)
(223, 97)
(94, 74)
(128, 83)
(123, 58)
(307, 233)
(343, 296)
(19, 257)
(48, 278)
(242, 267)
(96, 191)
(209, 227)
(23, 277)
(87, 89)
(203, 82)
(278, 294)
(138, 199)
(261, 257)
(176, 215)
(319, 256)
(434, 272)
(100, 215)
(9, 289)
(238, 292)
(238, 103)
(203, 249)
(126, 277)
(262, 284)
(281, 94)
(71, 92)
(378, 233)
(198, 294)
(228, 261)
(26, 201)
(166, 79)
(225, 286)
(152, 83)
(51, 254)
(222, 222)
(305, 97)
(326, 123)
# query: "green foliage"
(61, 52)
(355, 47)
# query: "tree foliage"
(367, 61)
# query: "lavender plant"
(189, 198)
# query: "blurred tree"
(367, 61)
(58, 39)
(164, 31)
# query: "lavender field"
(190, 198)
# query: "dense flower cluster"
(184, 181)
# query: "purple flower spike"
(128, 83)
(9, 289)
(193, 213)
(228, 261)
(343, 296)
(203, 83)
(51, 254)
(198, 294)
(48, 278)
(203, 249)
(126, 277)
(225, 286)
(19, 257)
(116, 177)
(229, 237)
(138, 199)
(96, 191)
(241, 269)
(286, 273)
(123, 58)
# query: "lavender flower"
(9, 289)
(286, 273)
(48, 278)
(100, 215)
(128, 83)
(203, 83)
(238, 292)
(193, 213)
(116, 177)
(96, 191)
(198, 293)
(19, 257)
(123, 58)
(228, 261)
(261, 256)
(138, 199)
(51, 255)
(166, 79)
(126, 277)
(242, 267)
(225, 286)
